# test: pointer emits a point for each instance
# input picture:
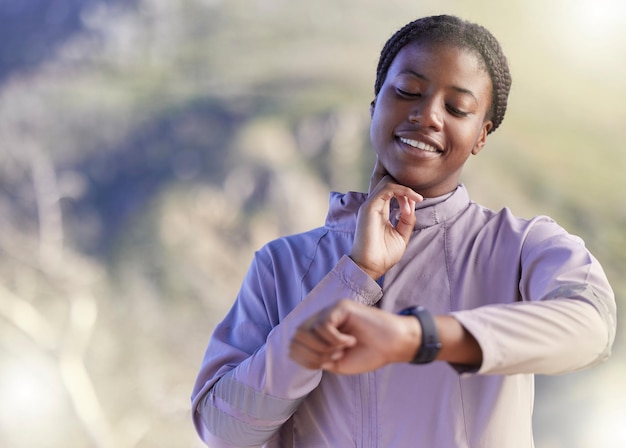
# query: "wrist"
(411, 339)
(372, 273)
(429, 341)
(458, 345)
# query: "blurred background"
(149, 147)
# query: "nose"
(427, 113)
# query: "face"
(430, 115)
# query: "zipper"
(367, 424)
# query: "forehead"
(441, 62)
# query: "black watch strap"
(429, 349)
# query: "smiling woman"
(445, 92)
(321, 344)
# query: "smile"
(419, 145)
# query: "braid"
(454, 31)
(498, 68)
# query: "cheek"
(373, 130)
(466, 137)
(377, 127)
(384, 121)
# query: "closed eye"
(457, 112)
(405, 94)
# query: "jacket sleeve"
(565, 320)
(248, 386)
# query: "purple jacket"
(531, 294)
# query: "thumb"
(406, 221)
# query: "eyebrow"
(455, 88)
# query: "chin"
(409, 181)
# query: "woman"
(439, 309)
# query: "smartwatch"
(430, 346)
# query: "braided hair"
(447, 29)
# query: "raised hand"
(378, 243)
(351, 338)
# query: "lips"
(419, 145)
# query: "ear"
(372, 107)
(482, 138)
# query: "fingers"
(379, 200)
(318, 342)
(312, 353)
(406, 218)
(380, 178)
(387, 187)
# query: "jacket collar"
(344, 207)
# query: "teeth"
(419, 145)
